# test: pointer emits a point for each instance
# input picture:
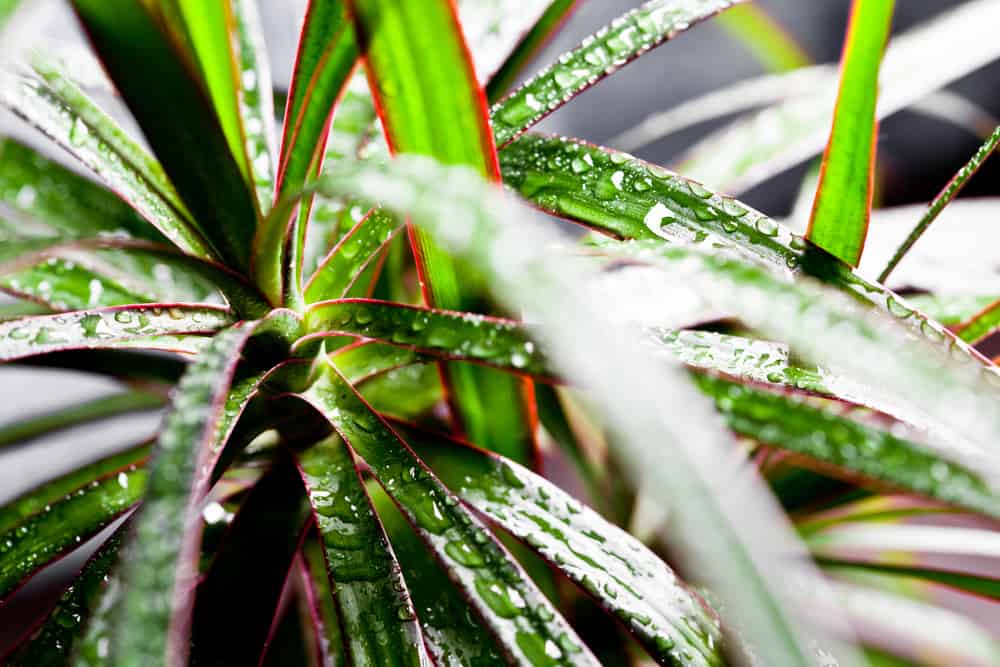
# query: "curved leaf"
(502, 75)
(176, 118)
(51, 643)
(443, 334)
(980, 325)
(237, 598)
(949, 192)
(379, 622)
(848, 444)
(523, 620)
(107, 327)
(601, 54)
(30, 428)
(481, 226)
(350, 257)
(843, 201)
(45, 524)
(158, 572)
(916, 63)
(329, 646)
(64, 113)
(628, 580)
(623, 197)
(327, 54)
(429, 102)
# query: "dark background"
(916, 154)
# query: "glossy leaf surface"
(46, 523)
(508, 602)
(599, 55)
(619, 571)
(177, 119)
(843, 201)
(158, 566)
(378, 618)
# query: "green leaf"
(59, 201)
(839, 220)
(508, 244)
(626, 578)
(980, 325)
(626, 198)
(325, 625)
(107, 327)
(379, 621)
(51, 643)
(917, 62)
(256, 102)
(600, 55)
(158, 569)
(351, 256)
(66, 115)
(764, 38)
(505, 598)
(327, 54)
(30, 428)
(848, 444)
(176, 118)
(529, 44)
(430, 103)
(450, 627)
(950, 191)
(64, 284)
(45, 524)
(237, 599)
(443, 334)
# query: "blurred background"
(917, 154)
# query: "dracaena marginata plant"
(371, 340)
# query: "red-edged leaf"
(843, 201)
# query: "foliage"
(410, 421)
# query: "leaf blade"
(839, 220)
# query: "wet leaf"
(378, 618)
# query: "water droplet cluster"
(599, 55)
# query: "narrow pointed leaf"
(237, 597)
(444, 334)
(917, 62)
(509, 245)
(517, 58)
(327, 55)
(86, 412)
(765, 38)
(379, 621)
(508, 602)
(839, 220)
(349, 258)
(51, 644)
(48, 522)
(628, 580)
(453, 634)
(177, 119)
(329, 647)
(64, 113)
(602, 54)
(429, 102)
(153, 611)
(981, 585)
(106, 327)
(627, 198)
(980, 325)
(256, 103)
(60, 201)
(849, 445)
(949, 192)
